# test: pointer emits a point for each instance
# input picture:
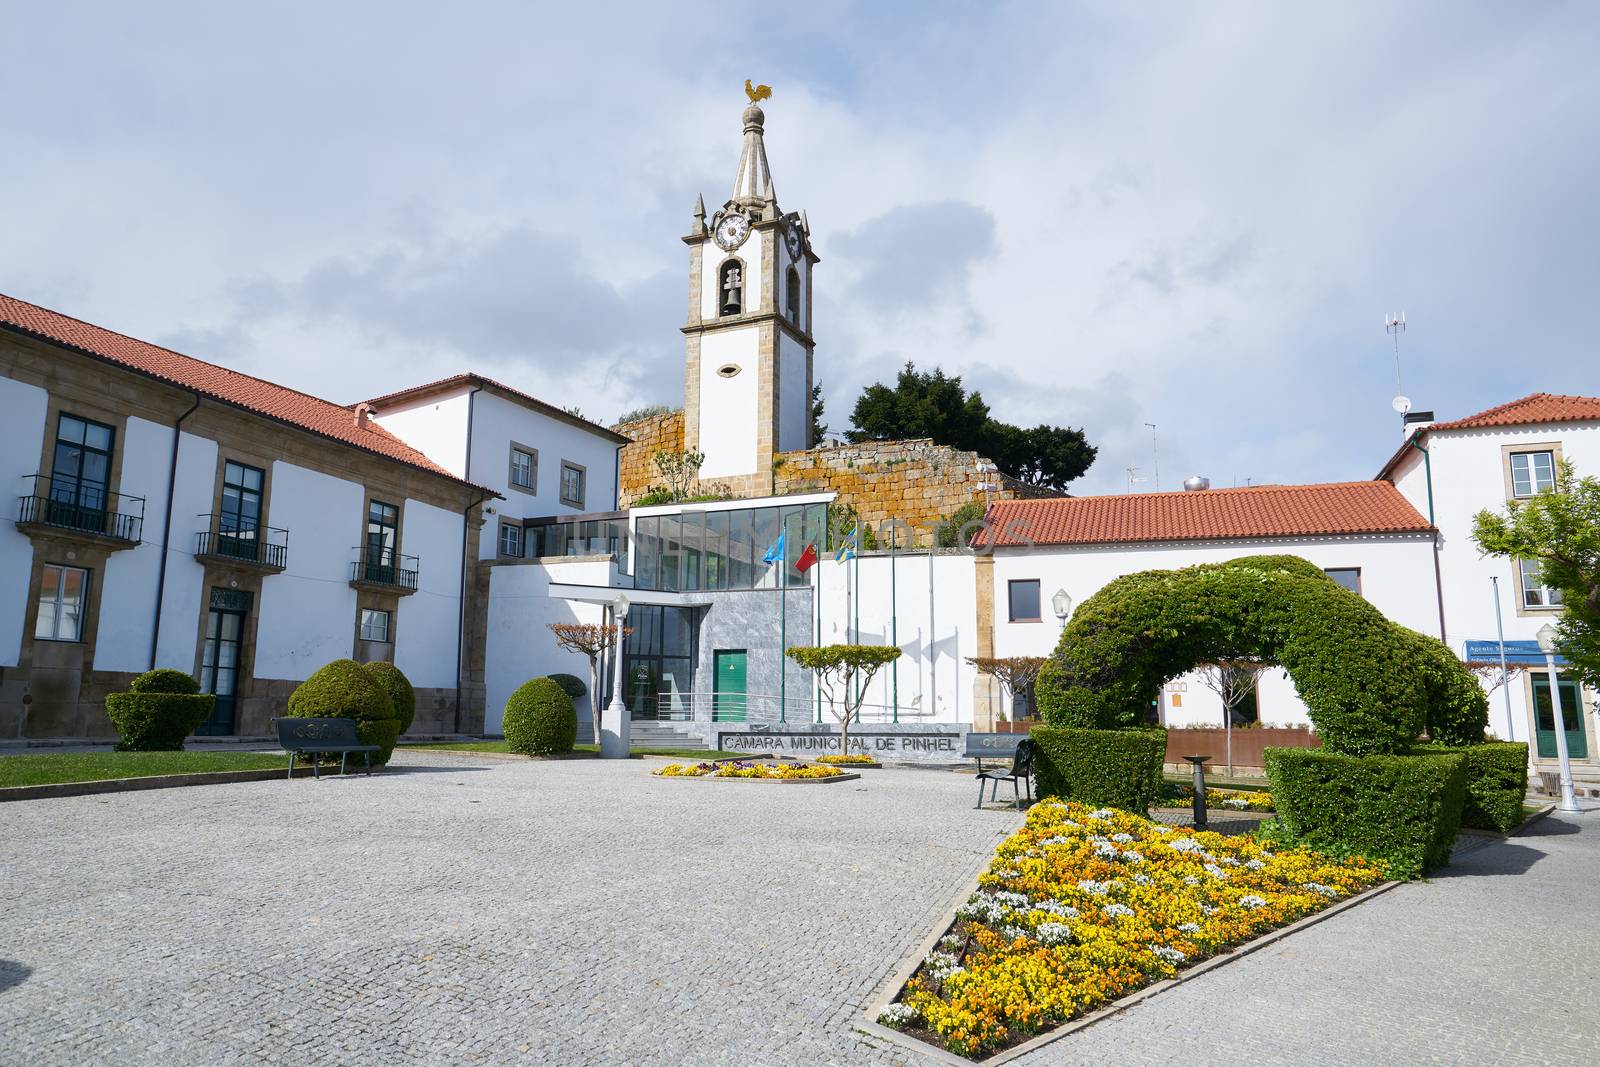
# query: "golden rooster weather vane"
(757, 93)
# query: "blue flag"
(847, 549)
(775, 553)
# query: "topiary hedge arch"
(1369, 684)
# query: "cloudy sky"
(1101, 215)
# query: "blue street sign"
(1523, 653)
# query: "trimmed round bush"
(571, 684)
(344, 689)
(1369, 684)
(164, 680)
(402, 697)
(540, 719)
(160, 709)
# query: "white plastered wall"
(23, 409)
(728, 412)
(128, 586)
(427, 622)
(519, 644)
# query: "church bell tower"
(748, 343)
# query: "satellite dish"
(1402, 404)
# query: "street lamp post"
(1547, 645)
(616, 726)
(1063, 605)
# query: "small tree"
(1233, 681)
(590, 639)
(843, 674)
(1016, 674)
(1560, 531)
(680, 469)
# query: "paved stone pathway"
(462, 910)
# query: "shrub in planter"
(571, 684)
(540, 719)
(1110, 768)
(344, 689)
(402, 697)
(160, 709)
(1497, 780)
(1404, 810)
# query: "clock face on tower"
(732, 231)
(792, 239)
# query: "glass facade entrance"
(658, 661)
(726, 549)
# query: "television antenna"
(1133, 477)
(1394, 324)
(1156, 453)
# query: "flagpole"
(894, 626)
(816, 596)
(857, 562)
(783, 622)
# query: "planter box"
(847, 777)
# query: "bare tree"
(680, 469)
(1016, 674)
(1233, 680)
(590, 639)
(843, 674)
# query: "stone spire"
(752, 185)
(699, 214)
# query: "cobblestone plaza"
(474, 910)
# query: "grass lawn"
(500, 746)
(55, 768)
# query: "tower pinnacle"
(752, 184)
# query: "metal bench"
(318, 737)
(1019, 774)
(991, 746)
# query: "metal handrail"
(268, 545)
(98, 512)
(386, 567)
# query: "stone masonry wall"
(652, 434)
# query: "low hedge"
(1497, 781)
(402, 697)
(1404, 810)
(1110, 768)
(344, 689)
(540, 719)
(571, 684)
(160, 709)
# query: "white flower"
(1114, 910)
(1317, 887)
(941, 965)
(1133, 856)
(1216, 872)
(1162, 829)
(1011, 900)
(1123, 838)
(1186, 844)
(1228, 861)
(1171, 955)
(1056, 908)
(1189, 928)
(898, 1015)
(1093, 888)
(1107, 851)
(1250, 900)
(1253, 865)
(1058, 839)
(1190, 879)
(1207, 909)
(982, 908)
(1052, 933)
(1236, 803)
(1141, 879)
(1102, 813)
(949, 942)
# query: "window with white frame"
(510, 540)
(1532, 473)
(63, 594)
(573, 478)
(1535, 594)
(374, 625)
(524, 468)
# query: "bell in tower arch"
(732, 288)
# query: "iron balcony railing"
(225, 538)
(384, 567)
(86, 509)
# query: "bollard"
(1199, 790)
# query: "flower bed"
(855, 759)
(1083, 906)
(746, 769)
(1229, 799)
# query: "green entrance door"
(728, 696)
(1571, 717)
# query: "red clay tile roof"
(446, 384)
(1210, 514)
(1535, 408)
(321, 417)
